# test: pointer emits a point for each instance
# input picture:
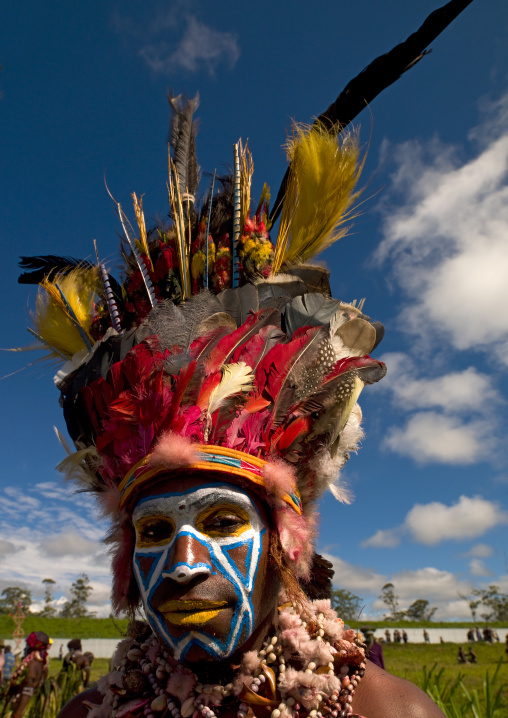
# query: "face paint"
(196, 562)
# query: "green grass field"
(408, 662)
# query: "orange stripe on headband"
(210, 458)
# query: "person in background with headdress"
(76, 657)
(212, 400)
(31, 673)
(374, 650)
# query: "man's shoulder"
(79, 705)
(382, 695)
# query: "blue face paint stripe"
(218, 549)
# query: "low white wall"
(105, 647)
(449, 635)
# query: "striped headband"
(209, 458)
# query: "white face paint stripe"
(184, 513)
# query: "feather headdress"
(218, 353)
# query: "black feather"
(45, 265)
(380, 74)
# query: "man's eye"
(224, 523)
(150, 533)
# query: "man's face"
(201, 565)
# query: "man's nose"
(188, 559)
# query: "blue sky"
(83, 89)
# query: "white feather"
(236, 378)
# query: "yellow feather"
(53, 321)
(246, 172)
(320, 193)
(140, 218)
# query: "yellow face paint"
(182, 613)
(223, 520)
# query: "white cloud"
(60, 548)
(435, 522)
(440, 588)
(458, 391)
(447, 242)
(432, 437)
(68, 543)
(387, 538)
(6, 548)
(355, 578)
(480, 550)
(468, 518)
(179, 41)
(477, 567)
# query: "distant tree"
(419, 611)
(495, 602)
(48, 611)
(347, 604)
(473, 602)
(391, 601)
(76, 607)
(12, 596)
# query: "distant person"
(388, 637)
(461, 656)
(506, 646)
(405, 637)
(487, 635)
(479, 636)
(441, 639)
(61, 653)
(9, 661)
(471, 656)
(374, 651)
(76, 657)
(470, 635)
(73, 648)
(426, 636)
(397, 636)
(2, 659)
(31, 673)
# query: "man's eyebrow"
(159, 506)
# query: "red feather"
(289, 435)
(202, 346)
(258, 346)
(181, 382)
(207, 387)
(226, 347)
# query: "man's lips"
(190, 612)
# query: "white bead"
(274, 640)
(271, 658)
(290, 702)
(312, 665)
(275, 713)
(313, 714)
(321, 632)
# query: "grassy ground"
(67, 627)
(408, 662)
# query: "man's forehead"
(193, 499)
